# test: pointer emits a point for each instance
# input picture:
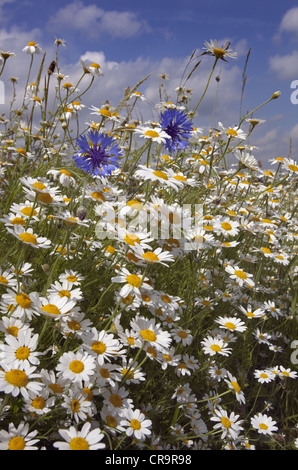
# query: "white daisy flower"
(84, 439)
(18, 438)
(136, 424)
(76, 367)
(264, 424)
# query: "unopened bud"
(46, 268)
(82, 212)
(276, 95)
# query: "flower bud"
(82, 212)
(276, 95)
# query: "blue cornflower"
(178, 127)
(98, 157)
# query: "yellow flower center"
(116, 400)
(130, 374)
(72, 278)
(230, 325)
(135, 424)
(215, 347)
(151, 134)
(78, 443)
(17, 378)
(98, 347)
(111, 421)
(165, 298)
(131, 239)
(18, 221)
(105, 112)
(160, 174)
(134, 280)
(182, 334)
(148, 335)
(240, 274)
(51, 309)
(74, 325)
(31, 43)
(46, 198)
(28, 211)
(236, 386)
(22, 353)
(75, 405)
(232, 133)
(76, 366)
(28, 238)
(226, 226)
(263, 426)
(38, 403)
(263, 375)
(3, 280)
(65, 172)
(150, 257)
(104, 373)
(293, 167)
(226, 422)
(12, 330)
(23, 300)
(17, 443)
(56, 388)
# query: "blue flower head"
(178, 127)
(99, 155)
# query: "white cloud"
(285, 66)
(289, 22)
(95, 21)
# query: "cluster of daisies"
(147, 290)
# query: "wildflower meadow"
(148, 276)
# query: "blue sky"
(132, 38)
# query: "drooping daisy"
(76, 367)
(7, 279)
(32, 48)
(63, 176)
(136, 424)
(18, 438)
(100, 157)
(84, 439)
(264, 424)
(233, 385)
